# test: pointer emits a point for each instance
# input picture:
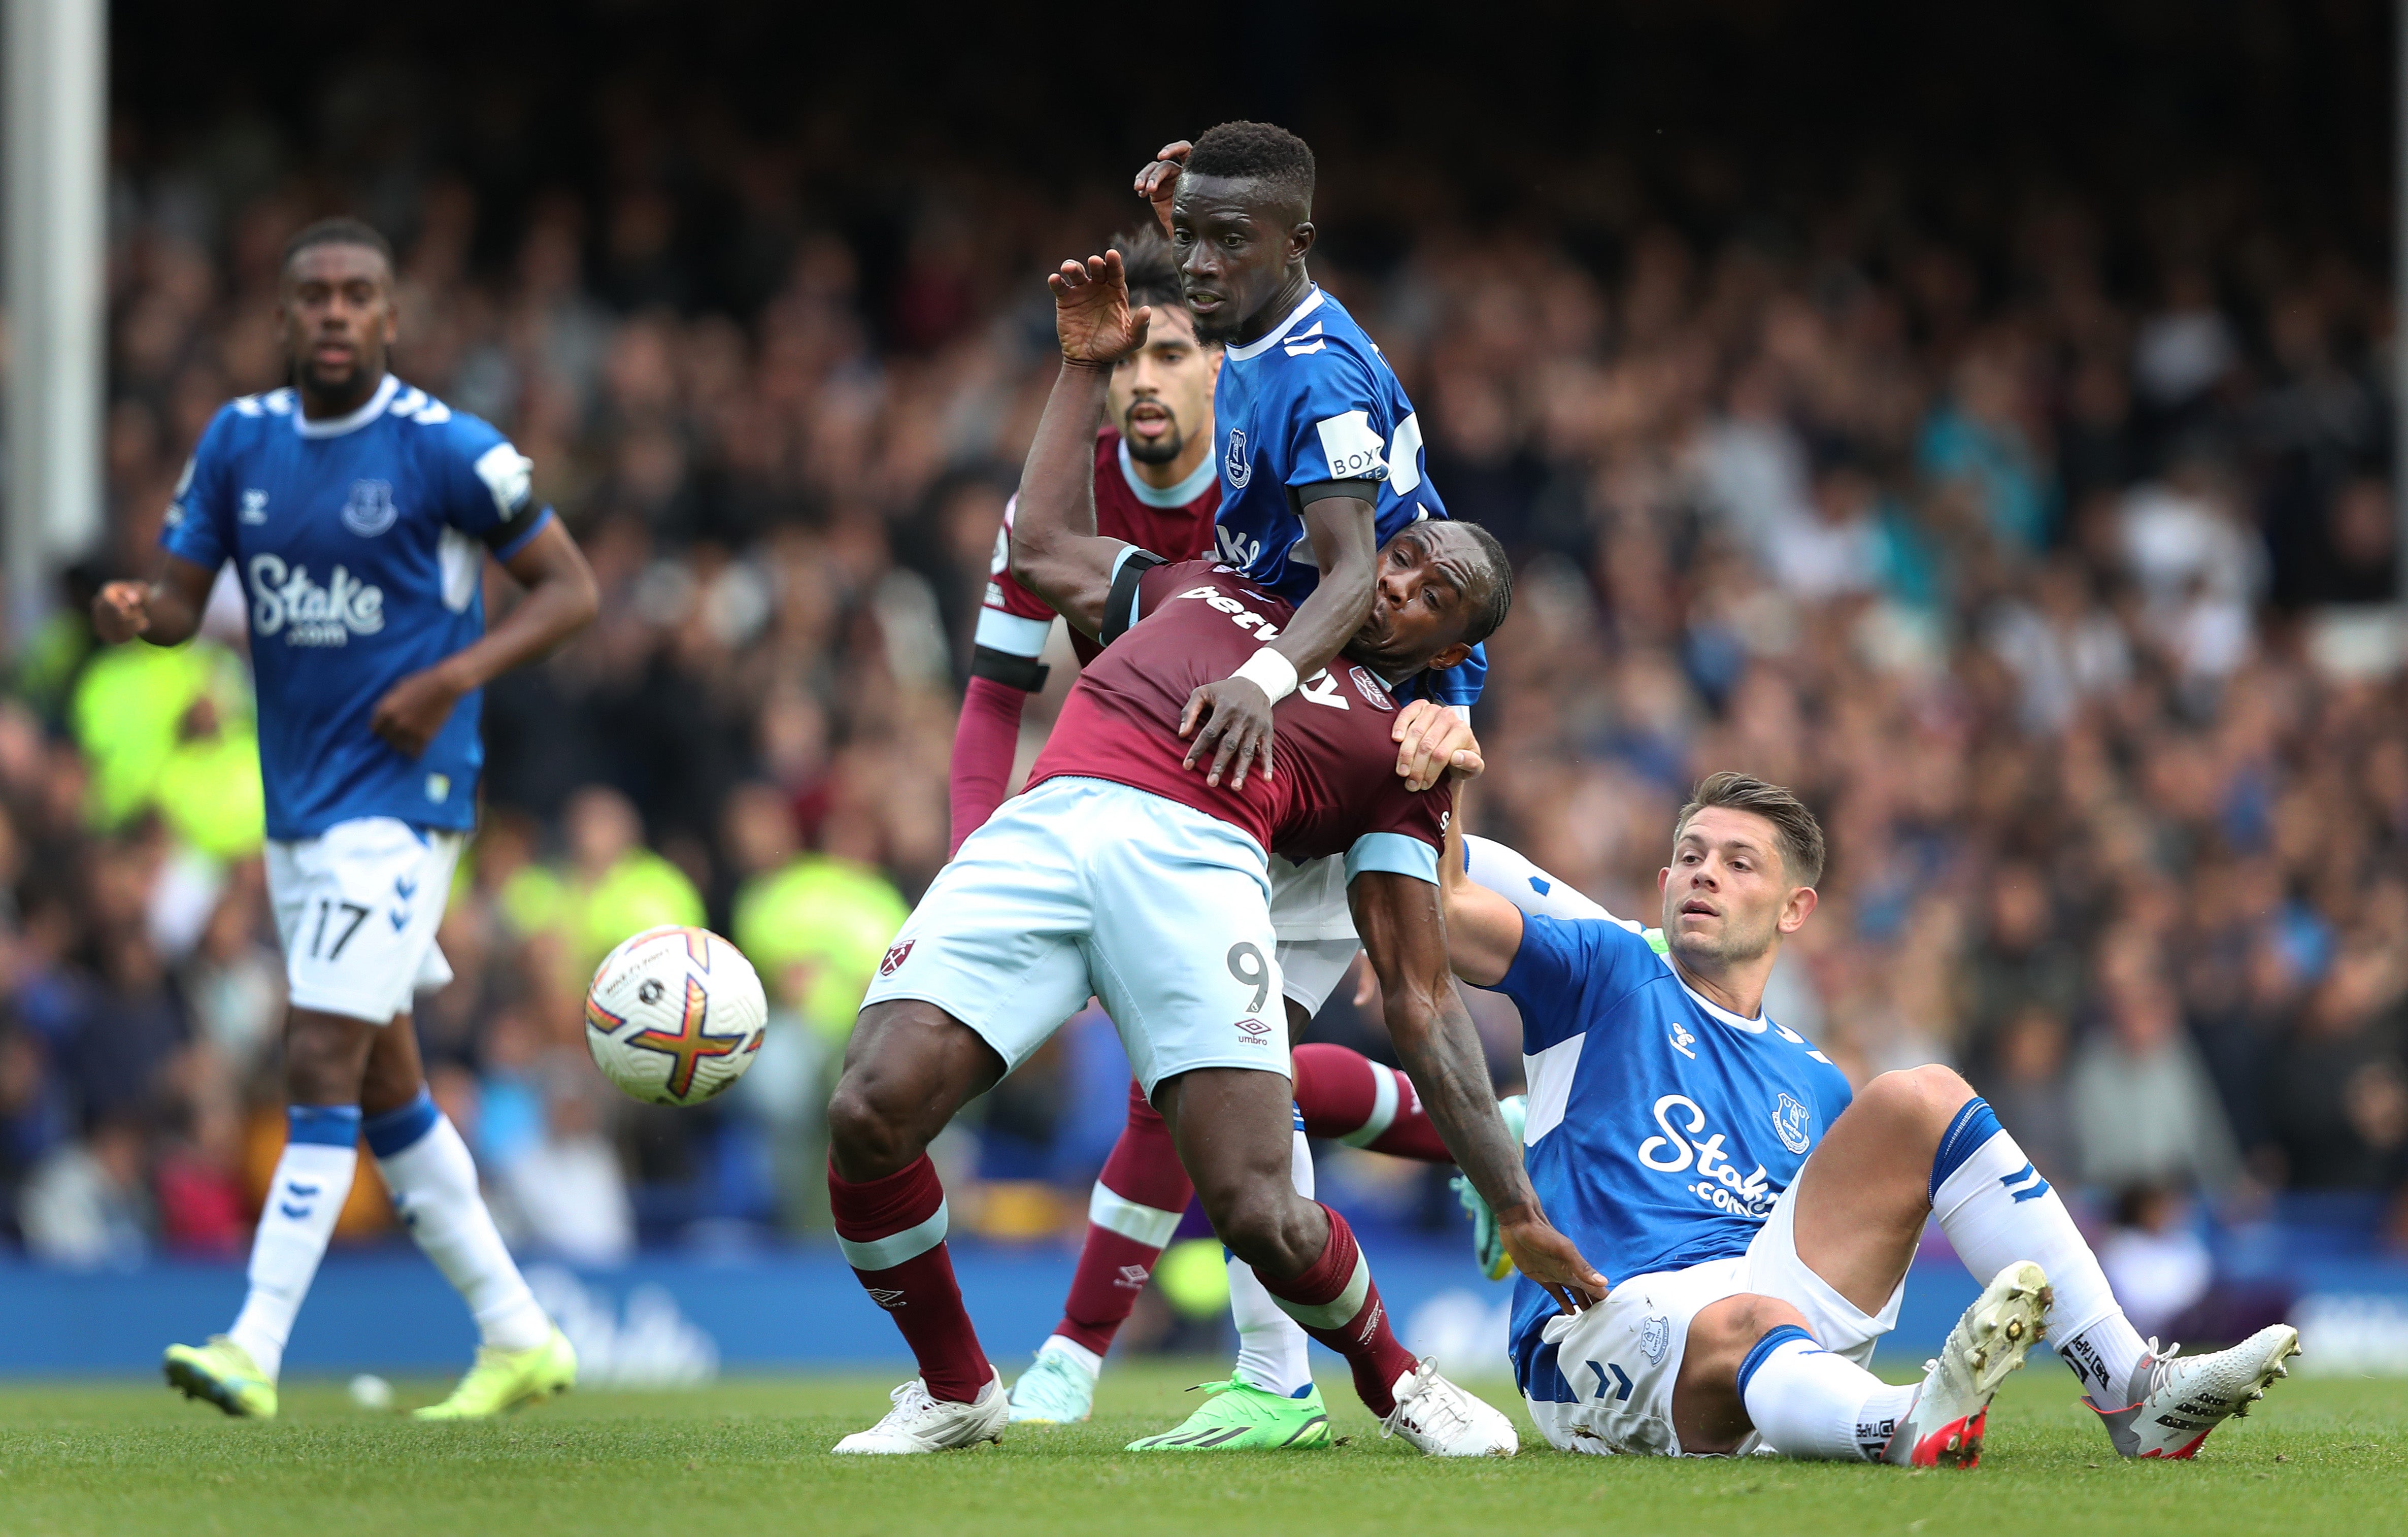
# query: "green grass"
(2321, 1458)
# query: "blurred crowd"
(2041, 554)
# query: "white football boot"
(1443, 1421)
(1056, 1389)
(919, 1423)
(1944, 1427)
(2177, 1399)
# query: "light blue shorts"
(1083, 888)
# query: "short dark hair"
(1257, 151)
(340, 231)
(1499, 603)
(1796, 834)
(1152, 271)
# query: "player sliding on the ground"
(1321, 464)
(1123, 875)
(1763, 1220)
(358, 513)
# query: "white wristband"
(1267, 670)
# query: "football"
(674, 1015)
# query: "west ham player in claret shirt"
(358, 513)
(1156, 486)
(1123, 875)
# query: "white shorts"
(1081, 887)
(357, 907)
(1314, 926)
(1623, 1356)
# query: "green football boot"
(222, 1373)
(503, 1379)
(1242, 1417)
(1487, 1244)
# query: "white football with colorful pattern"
(674, 1015)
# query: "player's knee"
(1725, 1332)
(1261, 1223)
(1920, 1100)
(868, 1139)
(324, 1058)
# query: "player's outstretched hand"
(120, 610)
(1550, 1259)
(1160, 179)
(1091, 313)
(415, 709)
(1430, 740)
(1230, 719)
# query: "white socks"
(1807, 1402)
(434, 1184)
(1996, 1209)
(1493, 865)
(1272, 1351)
(313, 1179)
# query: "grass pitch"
(2321, 1456)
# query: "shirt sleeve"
(488, 486)
(1565, 968)
(199, 526)
(1405, 832)
(1335, 429)
(1013, 623)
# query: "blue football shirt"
(1310, 402)
(360, 544)
(1662, 1127)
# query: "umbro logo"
(1133, 1277)
(889, 1297)
(1255, 1030)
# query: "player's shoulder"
(248, 418)
(434, 423)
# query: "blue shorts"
(1080, 888)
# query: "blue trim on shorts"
(397, 1130)
(328, 1125)
(1763, 1349)
(1975, 1123)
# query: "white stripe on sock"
(1115, 1213)
(883, 1254)
(1384, 1109)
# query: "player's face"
(337, 311)
(1429, 589)
(1162, 397)
(1726, 901)
(1236, 249)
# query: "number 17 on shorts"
(357, 907)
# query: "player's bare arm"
(165, 611)
(1055, 552)
(1230, 721)
(560, 599)
(1404, 934)
(1484, 930)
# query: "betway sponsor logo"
(1719, 1182)
(287, 601)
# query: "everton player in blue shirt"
(1320, 451)
(1761, 1217)
(358, 513)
